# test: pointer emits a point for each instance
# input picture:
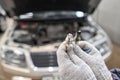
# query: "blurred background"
(107, 15)
(31, 31)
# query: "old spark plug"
(77, 36)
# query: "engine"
(40, 34)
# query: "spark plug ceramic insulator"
(70, 39)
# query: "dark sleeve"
(115, 73)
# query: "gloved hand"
(93, 58)
(71, 66)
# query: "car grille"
(44, 59)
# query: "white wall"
(108, 16)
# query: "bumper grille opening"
(44, 59)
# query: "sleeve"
(115, 73)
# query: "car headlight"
(14, 57)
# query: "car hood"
(19, 7)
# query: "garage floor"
(114, 61)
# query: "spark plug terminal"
(77, 36)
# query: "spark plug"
(77, 36)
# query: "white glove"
(71, 67)
(93, 58)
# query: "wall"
(108, 16)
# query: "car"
(28, 46)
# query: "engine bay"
(36, 34)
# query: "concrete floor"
(114, 61)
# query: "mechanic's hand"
(93, 58)
(71, 66)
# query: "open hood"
(19, 7)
